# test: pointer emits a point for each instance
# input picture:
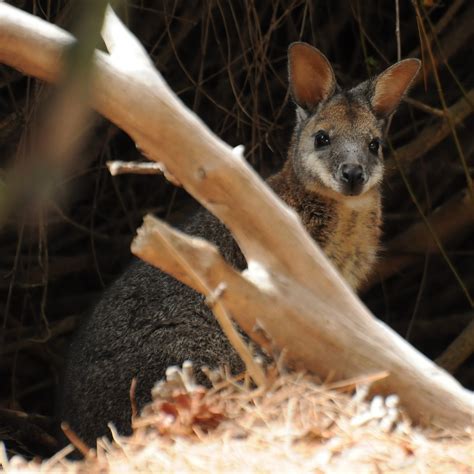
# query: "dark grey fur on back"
(145, 322)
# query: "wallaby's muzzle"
(352, 177)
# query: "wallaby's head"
(337, 140)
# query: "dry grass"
(296, 425)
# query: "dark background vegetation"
(227, 61)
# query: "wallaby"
(148, 321)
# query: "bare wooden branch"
(314, 315)
(155, 238)
(299, 321)
(159, 244)
(125, 49)
(130, 167)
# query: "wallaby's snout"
(336, 144)
(352, 177)
(357, 165)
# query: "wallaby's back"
(145, 322)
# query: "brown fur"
(348, 232)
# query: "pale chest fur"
(353, 239)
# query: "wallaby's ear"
(312, 79)
(391, 85)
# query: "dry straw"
(295, 425)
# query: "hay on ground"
(295, 425)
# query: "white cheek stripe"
(316, 168)
(375, 177)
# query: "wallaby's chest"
(347, 231)
(351, 240)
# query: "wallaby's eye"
(321, 139)
(374, 146)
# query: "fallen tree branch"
(297, 297)
(158, 244)
(155, 243)
(287, 312)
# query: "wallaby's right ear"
(390, 86)
(312, 79)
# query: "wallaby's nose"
(353, 177)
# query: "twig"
(425, 108)
(433, 234)
(130, 167)
(253, 368)
(397, 30)
(449, 118)
(125, 167)
(76, 441)
(349, 384)
(448, 16)
(435, 328)
(60, 455)
(450, 44)
(64, 326)
(459, 350)
(133, 400)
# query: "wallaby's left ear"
(391, 85)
